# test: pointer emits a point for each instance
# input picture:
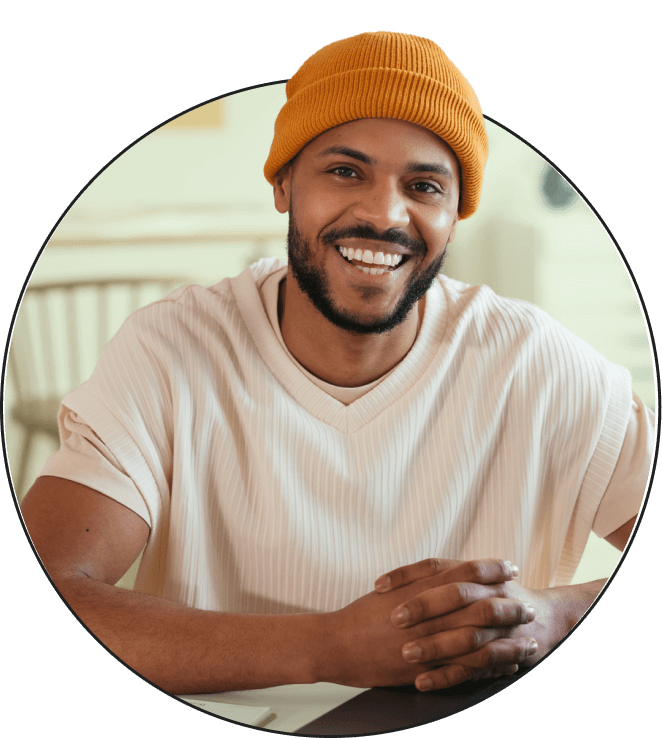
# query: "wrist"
(304, 643)
(324, 649)
(571, 603)
(578, 598)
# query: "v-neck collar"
(345, 418)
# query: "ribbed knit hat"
(384, 75)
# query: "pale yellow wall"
(193, 203)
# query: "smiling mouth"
(379, 262)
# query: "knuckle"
(500, 590)
(433, 566)
(398, 576)
(474, 638)
(459, 673)
(493, 571)
(493, 611)
(452, 674)
(432, 651)
(418, 609)
(476, 570)
(489, 655)
(460, 594)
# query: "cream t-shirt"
(256, 482)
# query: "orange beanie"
(384, 75)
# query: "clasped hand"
(476, 621)
(437, 623)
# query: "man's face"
(386, 187)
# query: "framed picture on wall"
(205, 117)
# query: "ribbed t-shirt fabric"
(496, 436)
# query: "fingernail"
(400, 616)
(423, 684)
(514, 569)
(530, 613)
(412, 652)
(382, 584)
(533, 647)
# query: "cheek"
(323, 220)
(437, 231)
(315, 212)
(444, 224)
(444, 221)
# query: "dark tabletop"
(396, 708)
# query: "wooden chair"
(61, 329)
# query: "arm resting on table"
(87, 541)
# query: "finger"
(494, 611)
(481, 571)
(412, 573)
(461, 670)
(432, 603)
(470, 642)
(443, 677)
(450, 675)
(500, 654)
(496, 672)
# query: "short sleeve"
(627, 486)
(84, 458)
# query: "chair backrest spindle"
(103, 324)
(71, 332)
(45, 329)
(55, 321)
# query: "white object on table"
(294, 705)
(246, 714)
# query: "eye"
(427, 187)
(343, 171)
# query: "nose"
(383, 206)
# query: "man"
(279, 440)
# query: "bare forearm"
(188, 651)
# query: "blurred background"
(189, 203)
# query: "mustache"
(393, 235)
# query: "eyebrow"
(365, 159)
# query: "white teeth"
(367, 257)
(368, 270)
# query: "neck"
(337, 356)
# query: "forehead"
(384, 141)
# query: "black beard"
(313, 283)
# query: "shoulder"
(192, 313)
(486, 310)
(184, 306)
(194, 306)
(194, 325)
(508, 322)
(523, 342)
